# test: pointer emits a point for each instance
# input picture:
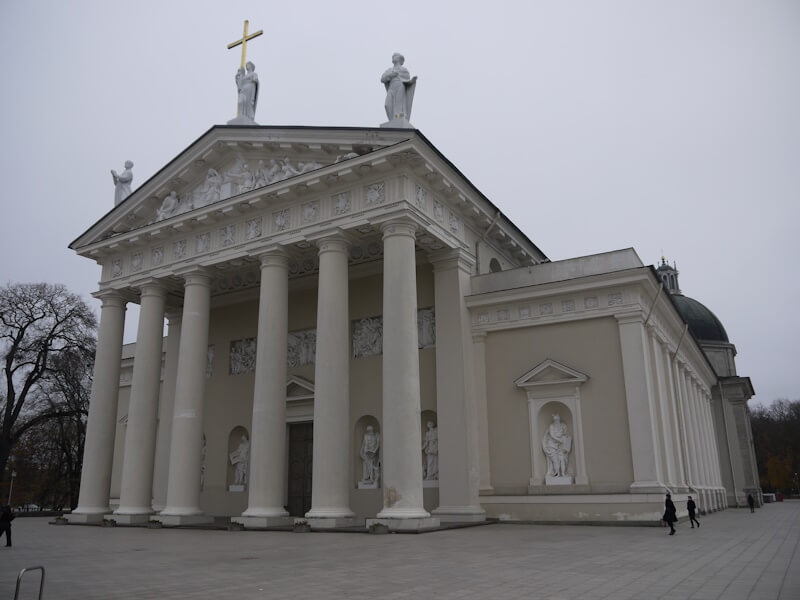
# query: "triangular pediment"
(550, 372)
(229, 162)
(298, 388)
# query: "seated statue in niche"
(370, 462)
(430, 450)
(557, 443)
(239, 460)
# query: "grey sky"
(592, 125)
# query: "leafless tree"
(44, 330)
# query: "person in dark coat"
(670, 514)
(691, 507)
(5, 524)
(751, 502)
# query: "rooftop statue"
(122, 183)
(247, 84)
(400, 88)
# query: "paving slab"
(733, 555)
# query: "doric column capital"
(399, 227)
(195, 276)
(336, 242)
(110, 298)
(151, 287)
(275, 257)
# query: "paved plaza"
(733, 555)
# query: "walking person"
(5, 524)
(691, 507)
(670, 514)
(751, 503)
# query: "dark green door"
(301, 454)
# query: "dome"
(704, 324)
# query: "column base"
(263, 522)
(136, 519)
(648, 487)
(175, 520)
(411, 524)
(84, 518)
(459, 514)
(334, 522)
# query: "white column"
(701, 448)
(402, 438)
(663, 409)
(136, 492)
(639, 399)
(166, 406)
(712, 444)
(479, 357)
(268, 430)
(459, 476)
(98, 451)
(332, 481)
(688, 441)
(676, 413)
(183, 487)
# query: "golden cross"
(245, 38)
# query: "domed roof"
(703, 323)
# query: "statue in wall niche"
(430, 451)
(557, 443)
(203, 465)
(247, 84)
(370, 461)
(400, 88)
(209, 192)
(122, 182)
(239, 460)
(426, 328)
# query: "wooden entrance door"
(301, 453)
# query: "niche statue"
(370, 463)
(557, 443)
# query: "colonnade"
(402, 475)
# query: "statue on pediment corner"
(122, 182)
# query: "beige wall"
(590, 346)
(229, 398)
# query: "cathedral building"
(356, 334)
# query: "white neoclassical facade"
(356, 333)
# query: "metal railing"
(19, 581)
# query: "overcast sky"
(592, 125)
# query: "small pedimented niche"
(238, 459)
(367, 466)
(299, 389)
(554, 389)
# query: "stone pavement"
(733, 555)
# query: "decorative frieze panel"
(420, 197)
(302, 348)
(116, 267)
(227, 235)
(243, 356)
(281, 220)
(137, 260)
(203, 242)
(310, 212)
(253, 228)
(368, 333)
(179, 249)
(341, 203)
(590, 302)
(157, 256)
(375, 193)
